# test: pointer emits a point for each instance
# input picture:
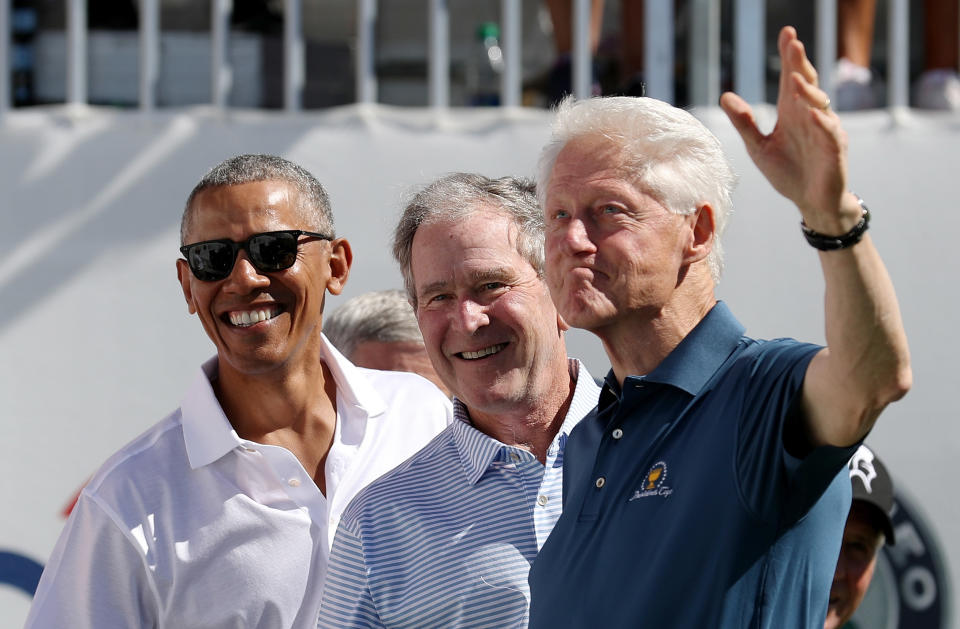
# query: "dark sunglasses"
(213, 260)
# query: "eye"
(859, 552)
(609, 209)
(429, 300)
(492, 285)
(560, 214)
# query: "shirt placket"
(608, 477)
(298, 485)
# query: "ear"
(185, 275)
(703, 229)
(341, 257)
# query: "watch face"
(909, 588)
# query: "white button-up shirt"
(191, 526)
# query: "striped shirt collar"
(478, 450)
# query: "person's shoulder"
(402, 387)
(399, 380)
(776, 350)
(159, 447)
(409, 481)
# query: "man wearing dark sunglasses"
(223, 514)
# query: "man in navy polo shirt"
(706, 489)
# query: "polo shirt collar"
(693, 362)
(352, 387)
(478, 450)
(208, 434)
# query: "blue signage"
(19, 571)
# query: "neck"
(637, 344)
(295, 409)
(533, 423)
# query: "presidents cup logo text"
(653, 483)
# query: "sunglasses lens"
(273, 251)
(211, 261)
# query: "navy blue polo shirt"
(682, 507)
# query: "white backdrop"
(96, 343)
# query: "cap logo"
(861, 466)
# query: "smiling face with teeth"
(488, 323)
(262, 321)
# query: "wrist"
(825, 242)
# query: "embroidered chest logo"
(653, 483)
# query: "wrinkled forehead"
(482, 243)
(595, 152)
(592, 166)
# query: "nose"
(471, 316)
(244, 277)
(575, 237)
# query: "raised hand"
(805, 156)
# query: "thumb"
(741, 116)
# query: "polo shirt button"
(600, 482)
(638, 385)
(617, 433)
(294, 482)
(542, 500)
(514, 457)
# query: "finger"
(810, 93)
(793, 57)
(787, 34)
(741, 116)
(801, 63)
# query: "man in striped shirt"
(447, 538)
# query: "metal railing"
(703, 78)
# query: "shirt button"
(542, 500)
(514, 457)
(617, 433)
(601, 482)
(249, 449)
(294, 482)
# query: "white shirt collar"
(208, 434)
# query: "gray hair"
(457, 196)
(382, 316)
(314, 202)
(672, 155)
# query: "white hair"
(672, 155)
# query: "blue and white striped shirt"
(447, 538)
